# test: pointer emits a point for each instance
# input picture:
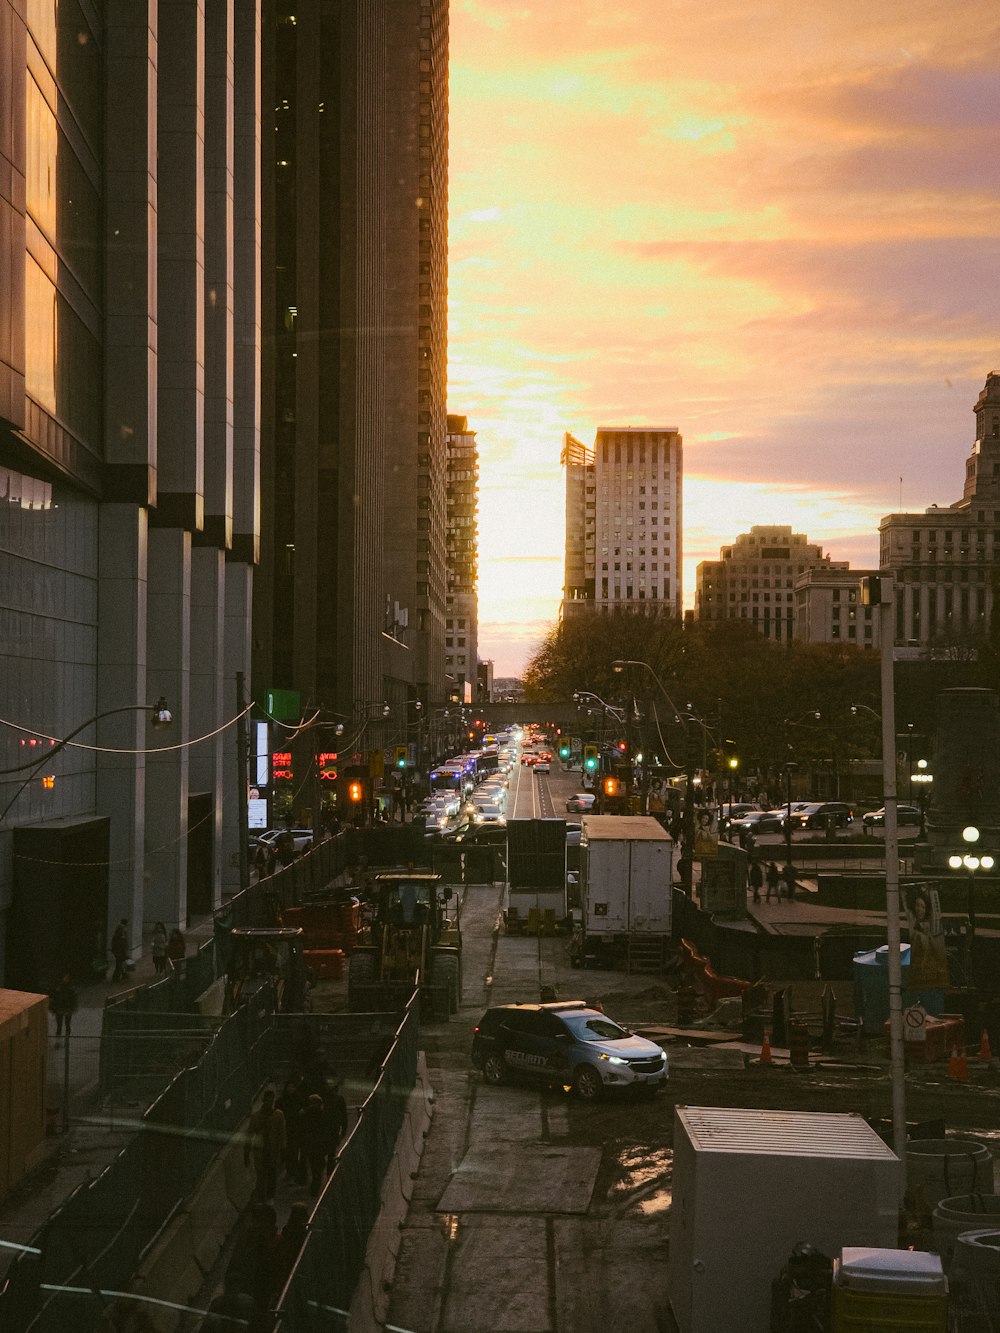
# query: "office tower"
(623, 521)
(350, 603)
(462, 608)
(828, 607)
(129, 342)
(754, 579)
(945, 559)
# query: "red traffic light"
(622, 747)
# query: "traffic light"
(610, 786)
(622, 747)
(564, 750)
(356, 792)
(401, 753)
(591, 757)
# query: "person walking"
(291, 1104)
(63, 1003)
(788, 874)
(265, 1145)
(119, 949)
(253, 1265)
(756, 878)
(176, 949)
(159, 945)
(773, 880)
(314, 1127)
(291, 1239)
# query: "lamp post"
(790, 767)
(971, 862)
(685, 720)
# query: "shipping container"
(24, 1028)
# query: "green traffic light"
(591, 764)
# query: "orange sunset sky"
(773, 226)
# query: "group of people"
(165, 949)
(300, 1131)
(761, 874)
(260, 1265)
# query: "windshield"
(593, 1027)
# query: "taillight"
(475, 1032)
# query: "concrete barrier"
(370, 1303)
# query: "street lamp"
(790, 768)
(971, 862)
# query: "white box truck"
(626, 878)
(748, 1186)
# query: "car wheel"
(494, 1069)
(588, 1084)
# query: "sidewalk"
(93, 1139)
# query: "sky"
(771, 226)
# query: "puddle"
(643, 1180)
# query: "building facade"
(350, 603)
(754, 579)
(945, 560)
(129, 392)
(462, 607)
(828, 608)
(623, 521)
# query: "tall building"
(351, 596)
(623, 521)
(462, 608)
(828, 609)
(129, 344)
(945, 559)
(754, 579)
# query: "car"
(488, 813)
(302, 838)
(542, 766)
(754, 822)
(822, 814)
(581, 802)
(566, 1044)
(907, 816)
(529, 759)
(737, 809)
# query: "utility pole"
(690, 763)
(242, 780)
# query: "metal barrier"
(89, 1248)
(318, 1294)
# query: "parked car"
(581, 802)
(907, 816)
(567, 1044)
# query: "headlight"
(614, 1059)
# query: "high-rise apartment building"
(623, 521)
(351, 595)
(462, 613)
(754, 579)
(129, 345)
(945, 559)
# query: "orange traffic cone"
(985, 1053)
(765, 1048)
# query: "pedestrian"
(317, 1139)
(119, 949)
(176, 949)
(788, 874)
(756, 879)
(336, 1112)
(253, 1267)
(265, 1144)
(290, 1104)
(160, 948)
(63, 1003)
(773, 880)
(290, 1240)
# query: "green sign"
(283, 705)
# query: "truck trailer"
(626, 879)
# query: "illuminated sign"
(281, 764)
(326, 766)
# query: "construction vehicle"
(259, 957)
(407, 935)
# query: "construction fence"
(318, 1294)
